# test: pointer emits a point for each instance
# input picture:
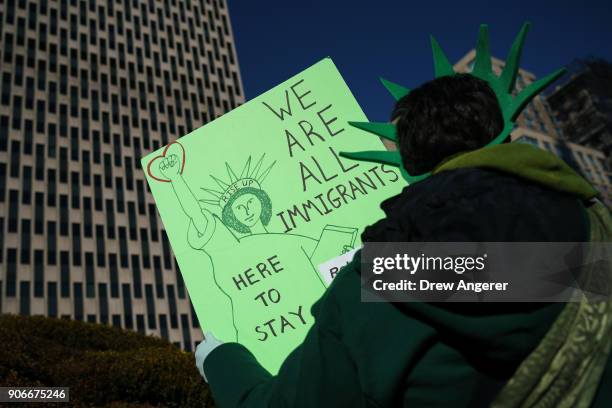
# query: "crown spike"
(211, 202)
(230, 173)
(220, 182)
(245, 170)
(396, 90)
(527, 94)
(511, 67)
(482, 66)
(212, 192)
(257, 167)
(260, 178)
(384, 130)
(391, 158)
(441, 65)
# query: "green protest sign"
(256, 200)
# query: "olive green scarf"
(525, 161)
(566, 367)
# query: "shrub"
(102, 365)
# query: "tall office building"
(582, 104)
(87, 88)
(537, 125)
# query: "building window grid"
(190, 111)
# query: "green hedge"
(102, 365)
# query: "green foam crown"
(502, 85)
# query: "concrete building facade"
(89, 87)
(582, 105)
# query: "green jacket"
(424, 354)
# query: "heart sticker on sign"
(157, 168)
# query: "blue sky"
(368, 39)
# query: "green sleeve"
(319, 372)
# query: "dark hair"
(229, 218)
(445, 116)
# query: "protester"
(418, 354)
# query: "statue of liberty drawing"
(229, 220)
